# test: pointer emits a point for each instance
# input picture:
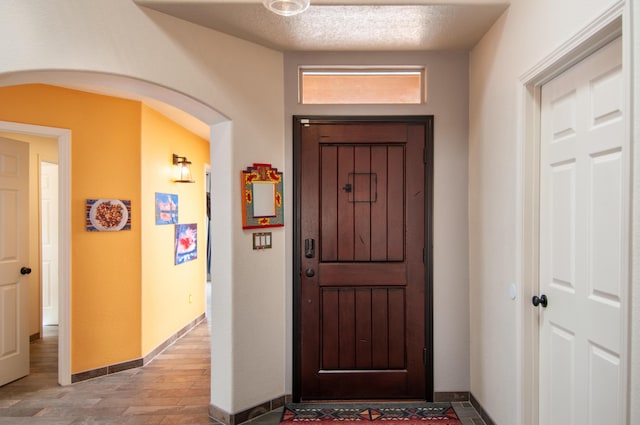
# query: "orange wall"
(105, 157)
(106, 287)
(166, 287)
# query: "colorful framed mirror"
(262, 201)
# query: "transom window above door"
(362, 85)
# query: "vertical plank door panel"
(379, 208)
(363, 328)
(347, 328)
(345, 208)
(362, 202)
(396, 197)
(328, 204)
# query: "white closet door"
(584, 243)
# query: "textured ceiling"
(376, 25)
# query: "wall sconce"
(184, 169)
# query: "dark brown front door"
(363, 298)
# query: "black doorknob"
(309, 273)
(541, 300)
(25, 270)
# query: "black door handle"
(25, 270)
(309, 248)
(541, 300)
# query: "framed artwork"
(186, 242)
(107, 215)
(166, 208)
(262, 197)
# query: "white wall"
(447, 100)
(529, 31)
(221, 72)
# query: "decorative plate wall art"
(108, 215)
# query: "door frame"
(64, 236)
(40, 243)
(604, 29)
(297, 122)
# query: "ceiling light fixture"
(286, 7)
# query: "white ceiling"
(346, 25)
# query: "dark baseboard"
(226, 418)
(450, 396)
(34, 337)
(173, 338)
(483, 413)
(131, 364)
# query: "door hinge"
(424, 356)
(424, 155)
(424, 256)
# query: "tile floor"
(172, 389)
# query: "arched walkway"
(190, 113)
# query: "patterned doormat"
(381, 413)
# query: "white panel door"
(584, 238)
(49, 237)
(14, 252)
